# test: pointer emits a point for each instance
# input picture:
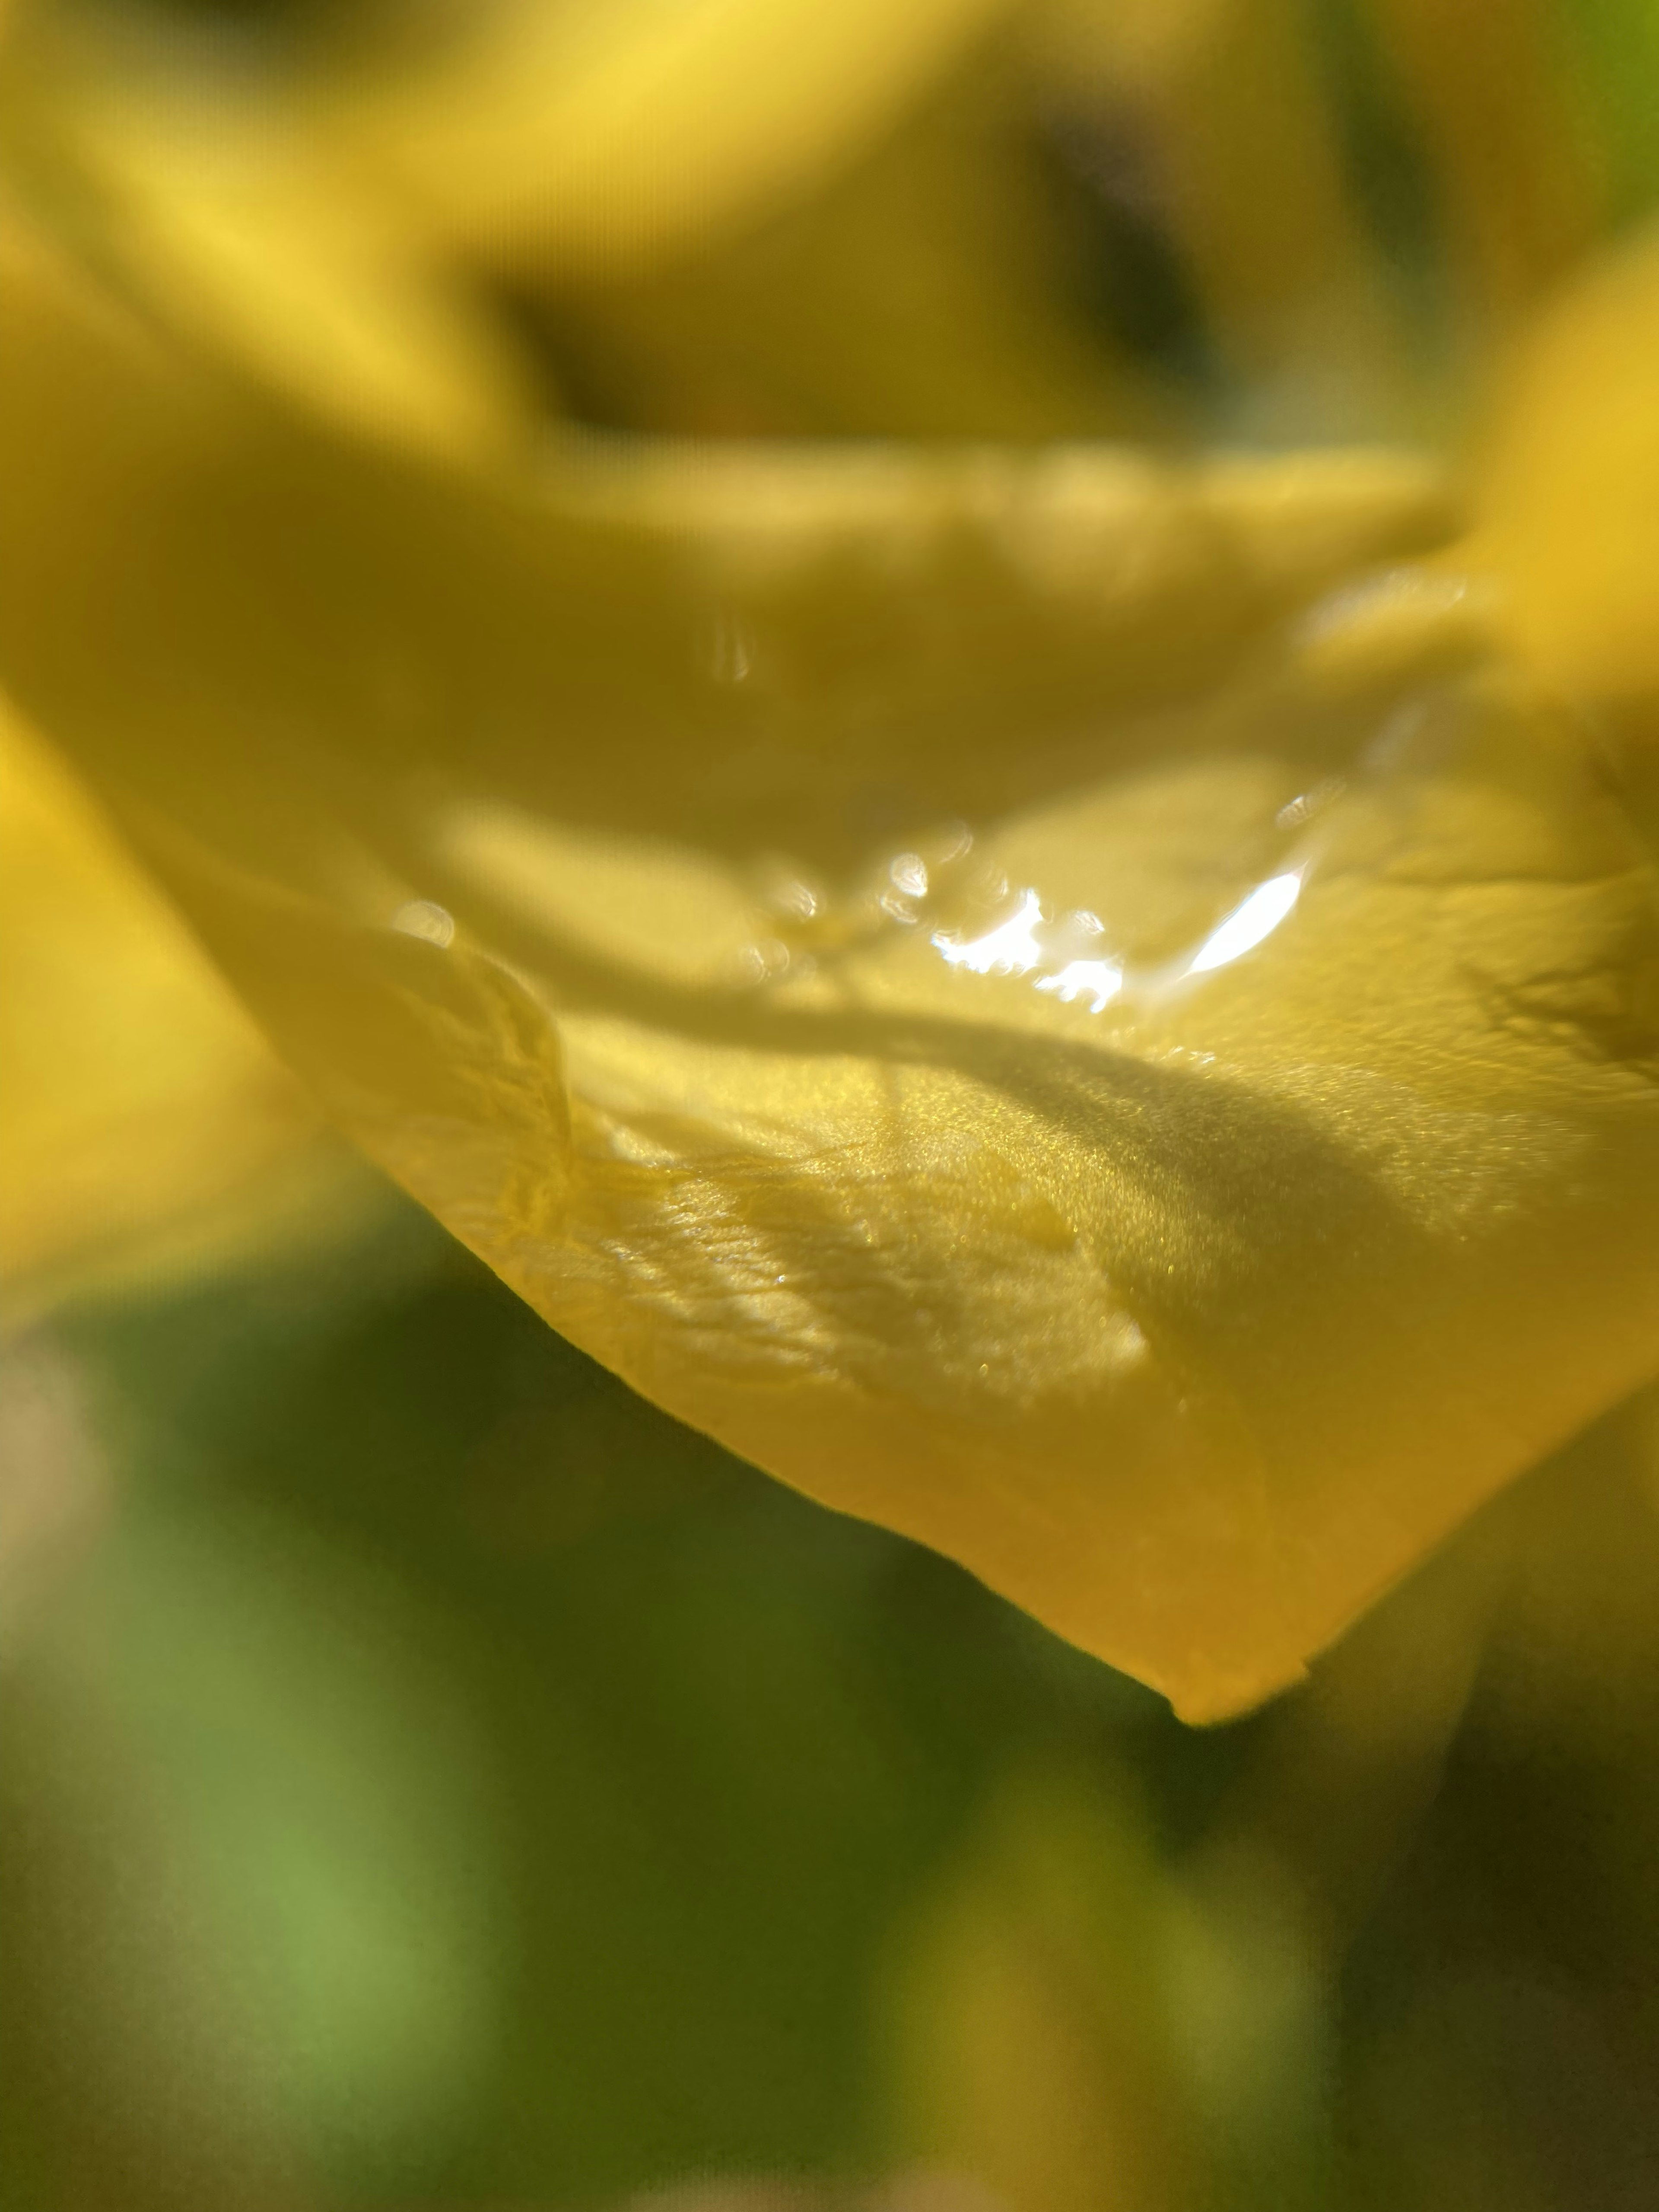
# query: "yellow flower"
(1004, 985)
(1569, 516)
(145, 1124)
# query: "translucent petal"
(1234, 141)
(144, 1122)
(598, 851)
(618, 132)
(1515, 160)
(348, 219)
(1029, 2036)
(1571, 490)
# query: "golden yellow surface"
(548, 832)
(707, 198)
(1244, 146)
(144, 1121)
(1493, 89)
(1569, 507)
(1066, 1000)
(1049, 2079)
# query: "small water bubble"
(792, 899)
(1307, 803)
(762, 961)
(729, 651)
(425, 920)
(908, 873)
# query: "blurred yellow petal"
(343, 223)
(1181, 1201)
(1221, 103)
(1570, 497)
(615, 134)
(331, 294)
(1490, 85)
(930, 286)
(226, 208)
(1029, 2017)
(144, 1120)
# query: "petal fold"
(915, 961)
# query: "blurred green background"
(431, 1777)
(434, 1778)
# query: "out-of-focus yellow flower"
(350, 224)
(1033, 2034)
(1571, 490)
(1008, 989)
(1491, 87)
(1234, 129)
(144, 1122)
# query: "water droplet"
(730, 649)
(425, 918)
(1098, 980)
(1302, 808)
(1009, 949)
(790, 897)
(762, 961)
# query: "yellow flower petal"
(1570, 488)
(1489, 83)
(144, 1122)
(1182, 1202)
(616, 134)
(227, 210)
(1033, 2044)
(1228, 109)
(347, 224)
(933, 286)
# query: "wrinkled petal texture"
(928, 967)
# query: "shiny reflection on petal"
(1306, 805)
(425, 918)
(1009, 948)
(1246, 926)
(762, 961)
(1098, 980)
(787, 894)
(730, 649)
